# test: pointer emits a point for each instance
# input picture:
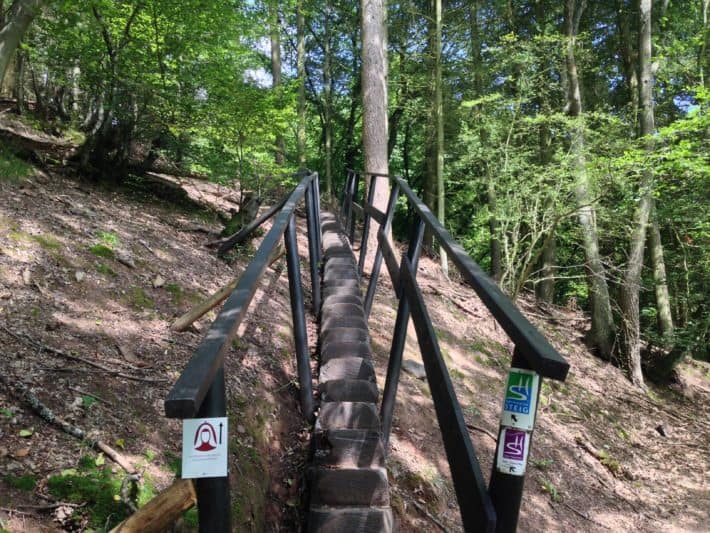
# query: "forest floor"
(91, 279)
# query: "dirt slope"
(79, 272)
(605, 456)
(100, 275)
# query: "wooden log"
(229, 243)
(184, 322)
(162, 511)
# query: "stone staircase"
(349, 491)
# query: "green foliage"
(26, 482)
(176, 293)
(93, 485)
(548, 487)
(106, 270)
(12, 169)
(101, 250)
(139, 299)
(108, 238)
(48, 242)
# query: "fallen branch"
(227, 244)
(83, 392)
(38, 345)
(482, 430)
(431, 517)
(184, 322)
(161, 511)
(580, 513)
(613, 466)
(454, 301)
(23, 392)
(49, 506)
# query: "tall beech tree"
(601, 334)
(374, 102)
(18, 18)
(632, 278)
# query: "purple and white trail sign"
(513, 451)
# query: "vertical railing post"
(350, 222)
(313, 246)
(366, 227)
(377, 263)
(399, 337)
(316, 198)
(517, 423)
(346, 190)
(300, 336)
(352, 181)
(213, 501)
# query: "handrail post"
(300, 337)
(348, 199)
(316, 198)
(515, 436)
(351, 220)
(366, 227)
(313, 246)
(213, 501)
(377, 263)
(399, 337)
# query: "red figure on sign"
(205, 437)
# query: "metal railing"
(483, 508)
(200, 390)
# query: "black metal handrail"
(200, 390)
(497, 507)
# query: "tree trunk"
(374, 102)
(328, 107)
(602, 332)
(632, 279)
(545, 289)
(18, 90)
(629, 57)
(275, 37)
(18, 20)
(663, 299)
(703, 59)
(301, 72)
(438, 105)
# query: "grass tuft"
(101, 250)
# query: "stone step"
(348, 415)
(337, 348)
(350, 520)
(344, 334)
(349, 448)
(342, 283)
(349, 390)
(347, 368)
(336, 298)
(349, 487)
(332, 290)
(333, 309)
(339, 321)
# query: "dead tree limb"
(22, 391)
(40, 346)
(163, 510)
(227, 244)
(184, 322)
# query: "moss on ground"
(93, 484)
